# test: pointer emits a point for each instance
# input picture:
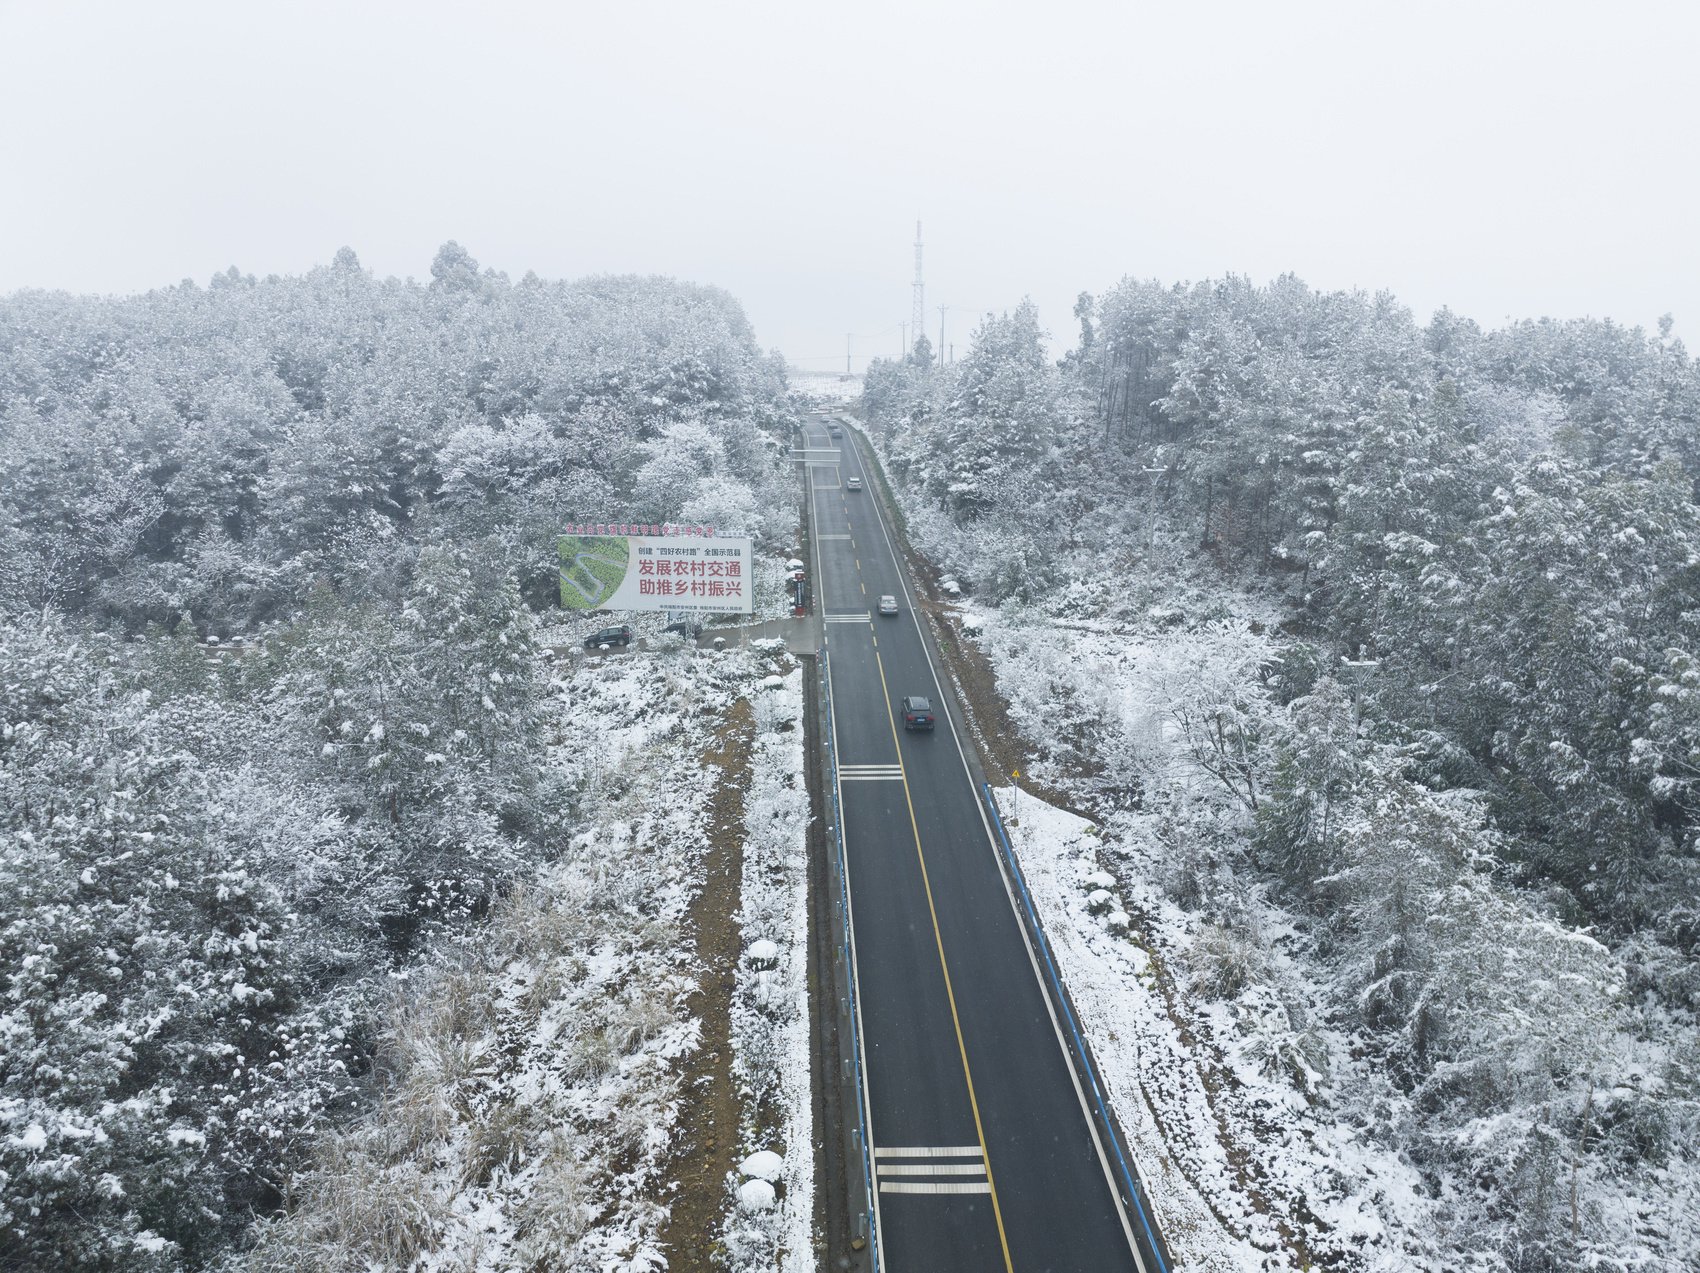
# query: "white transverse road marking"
(870, 773)
(918, 1170)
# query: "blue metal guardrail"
(1135, 1192)
(850, 970)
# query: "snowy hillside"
(330, 895)
(1366, 647)
(536, 1083)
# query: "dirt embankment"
(708, 1126)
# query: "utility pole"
(847, 337)
(904, 328)
(920, 314)
(1155, 474)
(1362, 667)
(942, 309)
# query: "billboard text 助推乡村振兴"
(687, 574)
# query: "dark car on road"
(917, 712)
(621, 635)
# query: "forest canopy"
(1463, 756)
(217, 449)
(213, 872)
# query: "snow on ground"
(538, 1116)
(1224, 1093)
(770, 1014)
(828, 387)
(592, 1027)
(1109, 977)
(1195, 1137)
(1212, 1011)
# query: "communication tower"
(920, 316)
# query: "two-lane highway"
(985, 1155)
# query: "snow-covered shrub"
(360, 1208)
(640, 1018)
(557, 1210)
(498, 1138)
(1276, 1039)
(1222, 962)
(531, 1069)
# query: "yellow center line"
(938, 937)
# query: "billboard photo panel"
(686, 575)
(592, 567)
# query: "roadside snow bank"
(770, 1012)
(1170, 1131)
(1227, 1094)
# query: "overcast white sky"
(1506, 159)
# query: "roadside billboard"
(683, 573)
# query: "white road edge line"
(1009, 894)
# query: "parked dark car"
(917, 712)
(621, 635)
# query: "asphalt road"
(984, 1154)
